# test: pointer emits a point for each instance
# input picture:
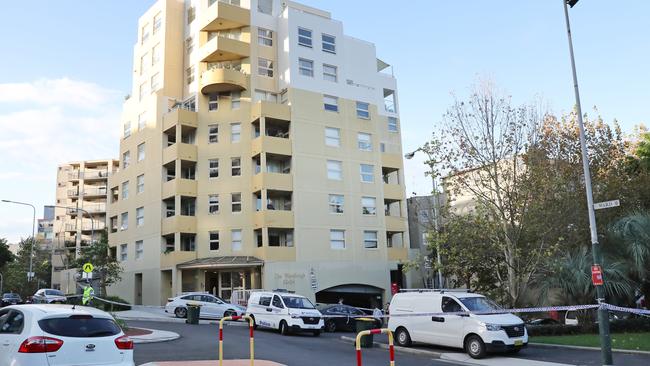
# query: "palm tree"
(633, 233)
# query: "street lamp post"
(603, 316)
(30, 274)
(436, 206)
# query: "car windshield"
(295, 302)
(479, 304)
(10, 296)
(54, 292)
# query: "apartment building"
(261, 148)
(79, 213)
(45, 227)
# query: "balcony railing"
(73, 192)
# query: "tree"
(6, 256)
(632, 233)
(109, 269)
(16, 276)
(643, 150)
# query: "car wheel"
(475, 347)
(403, 337)
(316, 333)
(180, 312)
(284, 329)
(254, 324)
(229, 313)
(330, 327)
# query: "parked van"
(477, 334)
(284, 311)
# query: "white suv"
(285, 312)
(477, 334)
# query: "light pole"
(30, 274)
(603, 316)
(436, 205)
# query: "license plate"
(519, 342)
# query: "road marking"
(496, 361)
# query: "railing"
(235, 66)
(231, 2)
(73, 192)
(74, 175)
(95, 191)
(95, 208)
(91, 174)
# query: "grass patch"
(631, 341)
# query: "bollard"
(391, 350)
(250, 326)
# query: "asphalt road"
(200, 342)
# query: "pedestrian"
(379, 315)
(341, 301)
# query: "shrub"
(616, 326)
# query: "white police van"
(284, 311)
(477, 334)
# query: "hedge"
(616, 326)
(103, 305)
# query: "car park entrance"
(364, 296)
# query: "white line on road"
(496, 361)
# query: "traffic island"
(213, 362)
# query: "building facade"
(261, 148)
(79, 213)
(45, 227)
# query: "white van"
(285, 312)
(477, 334)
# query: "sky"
(66, 66)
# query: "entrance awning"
(222, 262)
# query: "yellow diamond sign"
(88, 267)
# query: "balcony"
(391, 160)
(217, 80)
(273, 218)
(268, 109)
(179, 187)
(95, 175)
(395, 224)
(180, 116)
(279, 254)
(221, 15)
(394, 192)
(398, 254)
(95, 192)
(271, 144)
(171, 259)
(74, 175)
(221, 48)
(180, 151)
(275, 181)
(73, 193)
(179, 224)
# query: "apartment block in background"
(80, 211)
(261, 148)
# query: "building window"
(334, 170)
(369, 205)
(123, 252)
(337, 239)
(127, 129)
(304, 37)
(213, 168)
(336, 202)
(139, 216)
(142, 121)
(235, 132)
(139, 249)
(264, 37)
(213, 204)
(143, 90)
(332, 137)
(235, 166)
(330, 73)
(189, 75)
(235, 100)
(213, 134)
(145, 33)
(125, 190)
(392, 124)
(144, 62)
(214, 240)
(362, 110)
(124, 221)
(126, 159)
(264, 67)
(265, 6)
(189, 45)
(191, 14)
(306, 67)
(364, 141)
(235, 199)
(370, 239)
(331, 103)
(155, 54)
(235, 236)
(157, 23)
(267, 96)
(367, 173)
(140, 183)
(141, 152)
(213, 102)
(155, 82)
(329, 43)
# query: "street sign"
(596, 275)
(30, 275)
(606, 204)
(88, 267)
(87, 276)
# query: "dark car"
(344, 316)
(10, 299)
(542, 321)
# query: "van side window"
(450, 305)
(265, 300)
(277, 302)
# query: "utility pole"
(603, 316)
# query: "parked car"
(285, 312)
(211, 306)
(344, 317)
(477, 334)
(10, 298)
(54, 335)
(542, 321)
(49, 296)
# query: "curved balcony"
(218, 80)
(222, 48)
(220, 16)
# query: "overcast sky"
(66, 66)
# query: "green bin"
(193, 313)
(362, 324)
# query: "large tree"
(6, 255)
(106, 266)
(16, 271)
